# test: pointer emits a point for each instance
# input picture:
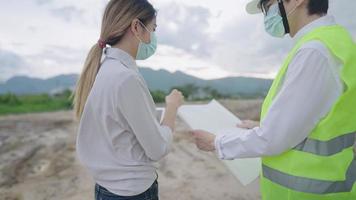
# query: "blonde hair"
(117, 18)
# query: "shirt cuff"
(218, 147)
(225, 153)
(168, 128)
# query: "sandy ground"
(37, 162)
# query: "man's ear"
(300, 2)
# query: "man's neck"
(302, 22)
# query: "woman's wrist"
(172, 107)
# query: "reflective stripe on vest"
(321, 148)
(309, 185)
(327, 148)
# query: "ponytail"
(87, 78)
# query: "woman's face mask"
(146, 50)
(274, 21)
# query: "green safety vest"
(323, 166)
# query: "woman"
(120, 136)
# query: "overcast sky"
(204, 38)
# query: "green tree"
(187, 90)
(158, 96)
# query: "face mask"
(274, 22)
(146, 50)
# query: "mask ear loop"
(144, 26)
(284, 16)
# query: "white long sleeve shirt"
(311, 86)
(119, 136)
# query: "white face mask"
(274, 21)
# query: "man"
(308, 119)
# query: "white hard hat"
(253, 8)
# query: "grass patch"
(18, 104)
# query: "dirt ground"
(38, 162)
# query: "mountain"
(242, 86)
(156, 80)
(26, 85)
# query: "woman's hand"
(248, 124)
(175, 99)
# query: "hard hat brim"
(253, 8)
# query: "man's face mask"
(274, 21)
(146, 50)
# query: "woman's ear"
(135, 27)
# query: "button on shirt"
(119, 135)
(310, 88)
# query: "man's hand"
(205, 141)
(248, 124)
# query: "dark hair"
(318, 7)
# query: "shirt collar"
(121, 55)
(326, 20)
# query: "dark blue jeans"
(150, 194)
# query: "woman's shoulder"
(114, 70)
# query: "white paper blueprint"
(214, 117)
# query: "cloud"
(10, 64)
(208, 38)
(51, 61)
(247, 49)
(185, 27)
(85, 12)
(43, 2)
(68, 13)
(345, 14)
(56, 59)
